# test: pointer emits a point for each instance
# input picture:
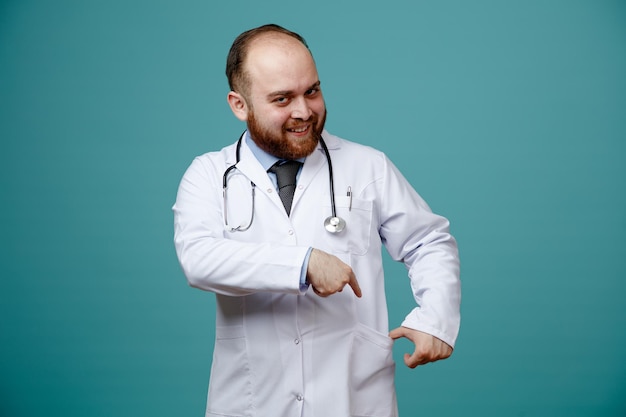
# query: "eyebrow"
(290, 93)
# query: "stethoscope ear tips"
(334, 224)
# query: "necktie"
(286, 172)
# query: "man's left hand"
(428, 348)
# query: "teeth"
(299, 130)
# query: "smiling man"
(277, 234)
(279, 97)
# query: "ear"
(238, 105)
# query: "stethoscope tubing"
(333, 224)
(330, 176)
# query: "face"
(284, 107)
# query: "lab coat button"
(269, 191)
(299, 397)
(290, 232)
(296, 341)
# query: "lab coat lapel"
(313, 166)
(252, 169)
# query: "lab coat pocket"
(355, 238)
(372, 388)
(230, 385)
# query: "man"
(291, 338)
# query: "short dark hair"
(238, 80)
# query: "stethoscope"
(332, 223)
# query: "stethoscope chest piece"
(334, 224)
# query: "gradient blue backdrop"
(509, 117)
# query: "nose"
(300, 109)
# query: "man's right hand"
(327, 274)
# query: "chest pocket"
(355, 238)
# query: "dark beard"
(280, 146)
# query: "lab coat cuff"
(304, 283)
(413, 321)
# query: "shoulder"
(348, 145)
(211, 164)
(226, 155)
(353, 151)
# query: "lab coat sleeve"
(414, 235)
(214, 263)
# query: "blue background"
(508, 117)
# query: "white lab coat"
(280, 351)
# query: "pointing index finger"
(354, 284)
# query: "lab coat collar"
(250, 166)
(331, 141)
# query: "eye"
(281, 100)
(312, 91)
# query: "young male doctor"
(286, 227)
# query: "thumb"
(396, 333)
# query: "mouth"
(299, 130)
